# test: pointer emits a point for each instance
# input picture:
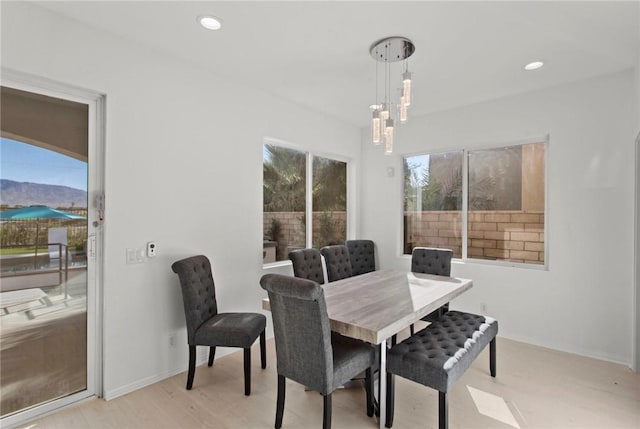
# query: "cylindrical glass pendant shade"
(375, 127)
(402, 111)
(388, 137)
(406, 88)
(383, 115)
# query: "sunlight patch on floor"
(492, 406)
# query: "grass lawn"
(21, 250)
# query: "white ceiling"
(316, 54)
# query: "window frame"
(309, 156)
(465, 202)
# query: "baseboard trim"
(132, 387)
(578, 352)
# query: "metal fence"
(23, 232)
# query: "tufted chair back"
(198, 292)
(307, 264)
(338, 262)
(429, 260)
(362, 256)
(301, 330)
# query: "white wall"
(183, 168)
(583, 303)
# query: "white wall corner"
(636, 309)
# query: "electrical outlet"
(172, 341)
(483, 308)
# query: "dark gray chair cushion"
(307, 264)
(231, 330)
(439, 354)
(307, 351)
(361, 256)
(428, 260)
(198, 292)
(350, 358)
(338, 262)
(204, 325)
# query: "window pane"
(43, 268)
(329, 202)
(284, 176)
(433, 201)
(506, 204)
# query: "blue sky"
(418, 165)
(23, 162)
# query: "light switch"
(135, 256)
(131, 256)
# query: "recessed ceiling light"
(534, 65)
(210, 22)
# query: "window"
(433, 201)
(329, 202)
(505, 203)
(285, 211)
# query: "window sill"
(276, 264)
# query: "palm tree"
(329, 185)
(284, 179)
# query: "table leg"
(382, 384)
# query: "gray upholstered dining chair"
(363, 259)
(307, 264)
(362, 256)
(338, 263)
(207, 327)
(306, 349)
(430, 260)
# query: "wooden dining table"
(375, 306)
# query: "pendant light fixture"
(386, 51)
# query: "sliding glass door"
(48, 251)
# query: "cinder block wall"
(516, 236)
(292, 229)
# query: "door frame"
(635, 329)
(96, 158)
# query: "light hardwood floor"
(534, 388)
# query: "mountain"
(26, 194)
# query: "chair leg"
(212, 354)
(492, 357)
(411, 329)
(280, 403)
(326, 416)
(368, 387)
(263, 350)
(247, 371)
(443, 414)
(192, 366)
(390, 400)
